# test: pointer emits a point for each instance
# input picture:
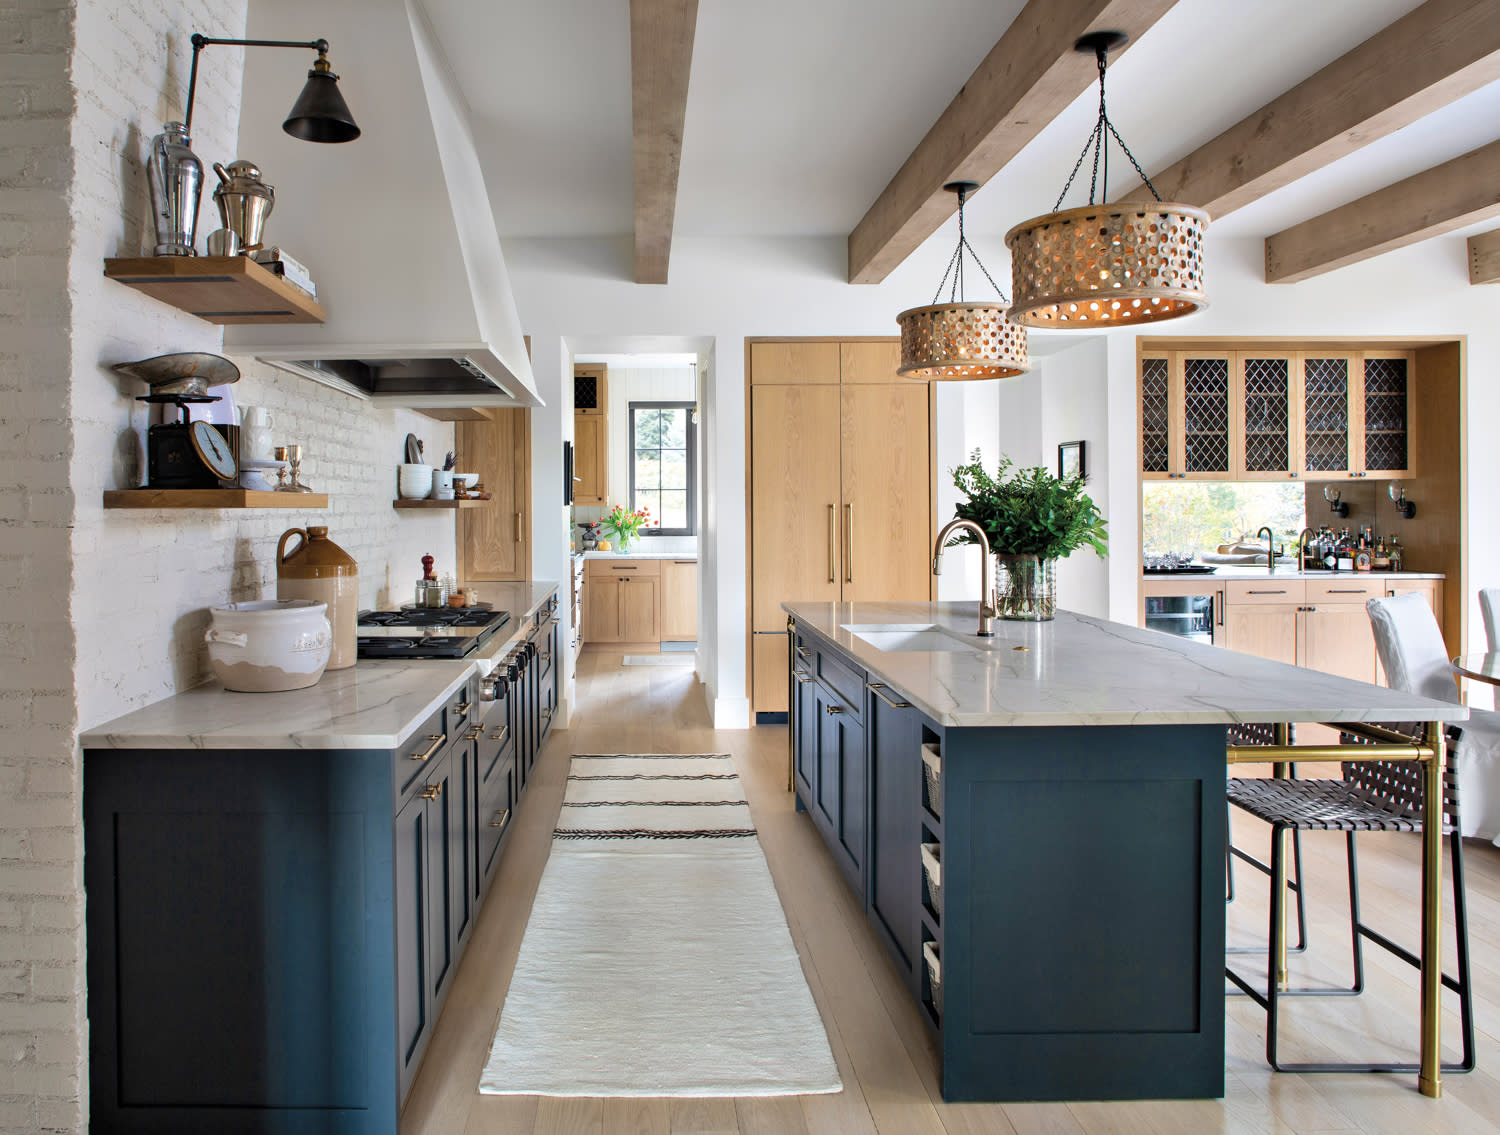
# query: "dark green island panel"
(1079, 921)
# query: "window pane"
(674, 469)
(674, 429)
(674, 512)
(647, 471)
(650, 500)
(647, 429)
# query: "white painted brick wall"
(103, 611)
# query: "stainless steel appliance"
(1187, 616)
(418, 633)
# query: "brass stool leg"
(1280, 771)
(1429, 1077)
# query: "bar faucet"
(1302, 547)
(986, 611)
(1270, 545)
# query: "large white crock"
(269, 645)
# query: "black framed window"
(663, 461)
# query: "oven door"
(1186, 616)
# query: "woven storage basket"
(932, 778)
(934, 974)
(932, 867)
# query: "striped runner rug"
(657, 960)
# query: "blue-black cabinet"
(894, 866)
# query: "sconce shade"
(320, 113)
(960, 341)
(1108, 265)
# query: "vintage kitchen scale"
(185, 454)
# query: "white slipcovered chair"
(1489, 606)
(1415, 659)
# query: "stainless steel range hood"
(396, 227)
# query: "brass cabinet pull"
(803, 652)
(802, 679)
(475, 732)
(685, 563)
(1254, 592)
(1348, 591)
(547, 713)
(834, 709)
(500, 734)
(849, 543)
(633, 567)
(432, 792)
(437, 740)
(831, 553)
(546, 656)
(878, 689)
(518, 528)
(501, 818)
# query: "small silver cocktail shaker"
(176, 178)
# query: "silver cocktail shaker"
(176, 178)
(244, 201)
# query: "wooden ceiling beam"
(661, 54)
(1030, 76)
(1457, 193)
(1484, 258)
(1432, 56)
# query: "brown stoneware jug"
(317, 568)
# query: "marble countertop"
(1247, 571)
(640, 555)
(1078, 670)
(371, 705)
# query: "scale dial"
(213, 450)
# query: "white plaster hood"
(395, 227)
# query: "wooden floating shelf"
(220, 289)
(211, 498)
(426, 503)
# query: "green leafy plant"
(1028, 511)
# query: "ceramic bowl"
(465, 480)
(269, 645)
(414, 482)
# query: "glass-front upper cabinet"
(1357, 414)
(1387, 407)
(1266, 413)
(1185, 415)
(1328, 414)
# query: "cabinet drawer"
(462, 710)
(412, 759)
(619, 568)
(1265, 591)
(848, 684)
(1348, 590)
(496, 805)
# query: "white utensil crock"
(414, 481)
(442, 483)
(269, 645)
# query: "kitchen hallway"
(885, 1055)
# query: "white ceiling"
(800, 111)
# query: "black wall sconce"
(1397, 492)
(1335, 505)
(320, 113)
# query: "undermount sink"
(915, 637)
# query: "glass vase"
(1025, 587)
(622, 542)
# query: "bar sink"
(911, 637)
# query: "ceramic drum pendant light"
(960, 340)
(1107, 265)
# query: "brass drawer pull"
(462, 708)
(832, 543)
(849, 544)
(1348, 591)
(834, 709)
(547, 713)
(501, 819)
(474, 733)
(879, 688)
(1252, 591)
(432, 792)
(437, 740)
(500, 734)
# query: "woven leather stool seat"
(1321, 805)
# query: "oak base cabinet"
(622, 603)
(679, 600)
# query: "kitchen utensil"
(176, 180)
(256, 424)
(442, 482)
(413, 481)
(316, 568)
(187, 372)
(269, 645)
(175, 457)
(244, 201)
(413, 450)
(222, 242)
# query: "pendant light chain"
(1098, 140)
(955, 268)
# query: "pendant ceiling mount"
(1107, 265)
(959, 340)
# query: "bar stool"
(1489, 607)
(1256, 733)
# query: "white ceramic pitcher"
(256, 424)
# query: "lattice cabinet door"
(1203, 384)
(1331, 414)
(1161, 445)
(1387, 401)
(1267, 415)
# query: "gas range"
(421, 632)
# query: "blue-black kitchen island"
(1036, 826)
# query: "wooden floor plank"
(885, 1055)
